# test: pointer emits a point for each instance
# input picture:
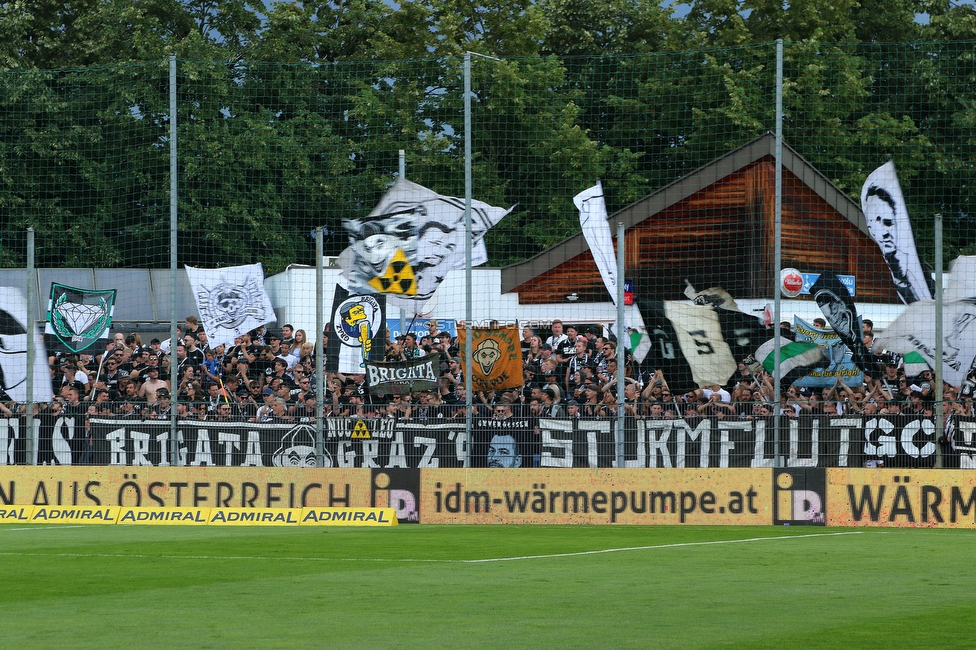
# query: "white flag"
(232, 301)
(13, 350)
(596, 231)
(407, 245)
(887, 217)
(914, 329)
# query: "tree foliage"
(290, 115)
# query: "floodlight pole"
(778, 252)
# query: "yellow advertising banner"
(15, 514)
(255, 516)
(74, 514)
(597, 496)
(185, 487)
(496, 357)
(349, 517)
(901, 497)
(165, 516)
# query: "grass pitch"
(673, 587)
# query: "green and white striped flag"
(793, 355)
(914, 364)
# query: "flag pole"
(403, 175)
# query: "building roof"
(809, 198)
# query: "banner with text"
(881, 497)
(399, 377)
(585, 496)
(177, 487)
(517, 442)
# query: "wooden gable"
(715, 227)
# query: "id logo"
(398, 489)
(799, 497)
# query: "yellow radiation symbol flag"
(360, 432)
(398, 278)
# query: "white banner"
(596, 231)
(232, 301)
(914, 330)
(887, 218)
(13, 350)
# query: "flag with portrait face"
(838, 308)
(407, 245)
(496, 357)
(887, 218)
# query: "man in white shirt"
(724, 394)
(557, 337)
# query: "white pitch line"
(415, 560)
(645, 548)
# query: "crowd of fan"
(269, 376)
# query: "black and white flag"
(596, 231)
(887, 217)
(358, 332)
(407, 245)
(914, 330)
(698, 346)
(232, 301)
(399, 377)
(839, 309)
(13, 350)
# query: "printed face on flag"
(838, 315)
(407, 245)
(879, 210)
(887, 219)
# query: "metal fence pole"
(403, 174)
(319, 350)
(778, 252)
(939, 417)
(173, 198)
(31, 348)
(468, 314)
(621, 345)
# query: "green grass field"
(673, 587)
